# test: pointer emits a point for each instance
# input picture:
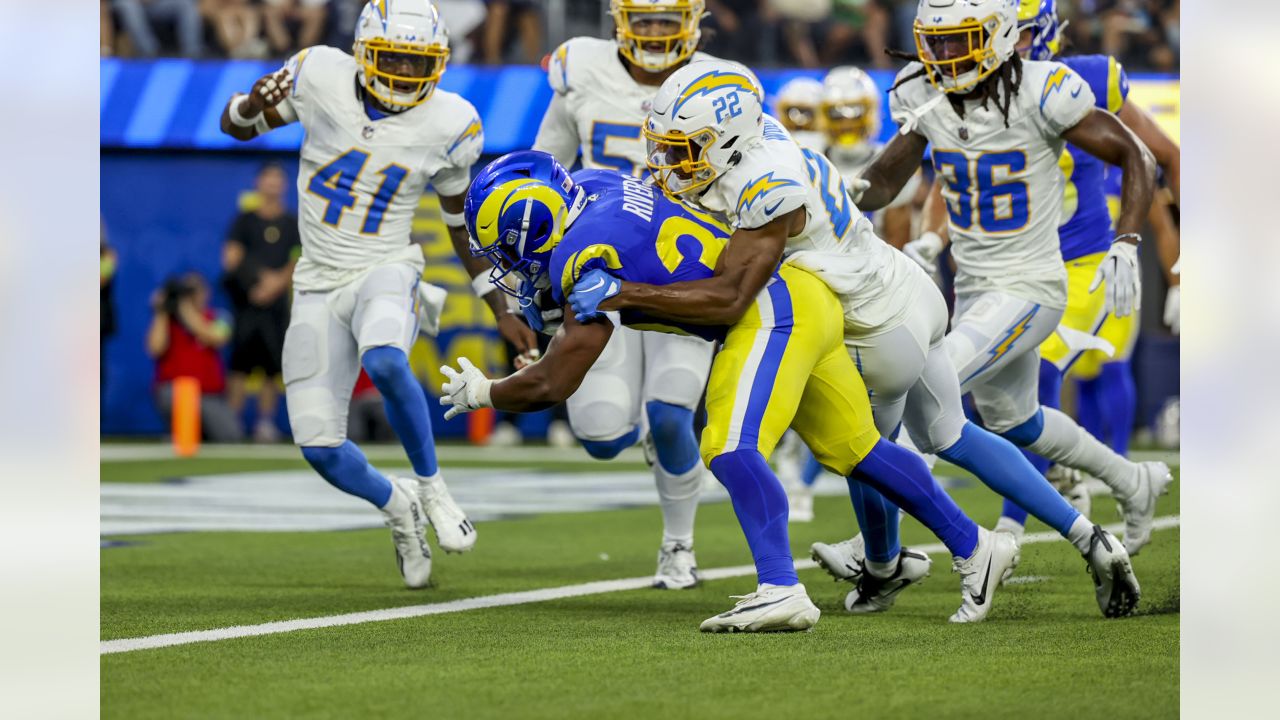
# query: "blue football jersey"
(634, 232)
(1086, 225)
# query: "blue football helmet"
(516, 211)
(1046, 33)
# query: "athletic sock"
(882, 569)
(761, 506)
(406, 405)
(901, 476)
(1081, 534)
(1065, 442)
(878, 520)
(347, 469)
(678, 499)
(1002, 467)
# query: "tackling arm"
(891, 170)
(1103, 136)
(745, 266)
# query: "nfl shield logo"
(964, 133)
(647, 105)
(367, 132)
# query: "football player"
(782, 363)
(378, 131)
(998, 126)
(646, 385)
(797, 107)
(851, 120)
(710, 144)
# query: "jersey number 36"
(1000, 205)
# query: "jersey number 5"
(334, 183)
(1002, 207)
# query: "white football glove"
(856, 187)
(1173, 309)
(1119, 270)
(925, 251)
(464, 391)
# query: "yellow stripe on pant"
(783, 365)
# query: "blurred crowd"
(1143, 34)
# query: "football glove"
(856, 187)
(1173, 309)
(925, 251)
(593, 288)
(464, 391)
(1119, 270)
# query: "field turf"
(1045, 652)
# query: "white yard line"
(487, 601)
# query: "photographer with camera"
(184, 338)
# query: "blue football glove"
(593, 288)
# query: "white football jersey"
(596, 107)
(838, 243)
(360, 179)
(1003, 186)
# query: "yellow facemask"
(396, 88)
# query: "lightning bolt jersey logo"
(1057, 78)
(759, 188)
(474, 129)
(711, 82)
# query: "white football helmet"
(704, 116)
(657, 34)
(961, 42)
(796, 105)
(401, 49)
(850, 107)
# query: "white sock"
(397, 503)
(678, 498)
(1008, 524)
(1063, 441)
(1081, 534)
(882, 569)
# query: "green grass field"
(1046, 651)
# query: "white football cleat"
(677, 567)
(1017, 529)
(771, 608)
(875, 594)
(1113, 580)
(842, 560)
(1139, 509)
(1070, 483)
(454, 532)
(980, 574)
(403, 514)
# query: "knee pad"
(382, 363)
(1026, 433)
(609, 449)
(673, 438)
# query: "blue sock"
(1108, 404)
(609, 449)
(902, 477)
(761, 506)
(878, 519)
(673, 439)
(406, 405)
(812, 468)
(999, 465)
(347, 469)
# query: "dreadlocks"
(998, 87)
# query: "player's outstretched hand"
(1119, 270)
(925, 251)
(464, 391)
(592, 289)
(514, 330)
(268, 92)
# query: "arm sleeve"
(463, 151)
(558, 134)
(1065, 99)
